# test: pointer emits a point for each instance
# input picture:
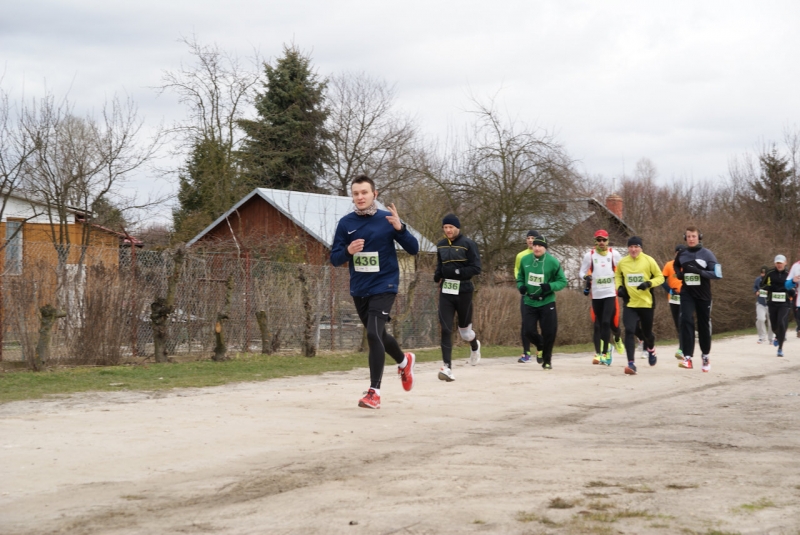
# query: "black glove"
(644, 285)
(623, 293)
(587, 277)
(691, 267)
(679, 275)
(791, 293)
(545, 289)
(523, 290)
(437, 277)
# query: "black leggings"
(689, 307)
(604, 310)
(526, 345)
(374, 314)
(779, 318)
(676, 318)
(545, 317)
(633, 318)
(449, 306)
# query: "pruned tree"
(366, 134)
(285, 145)
(214, 88)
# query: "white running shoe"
(475, 356)
(446, 374)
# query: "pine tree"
(285, 147)
(210, 184)
(775, 186)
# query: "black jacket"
(774, 281)
(458, 260)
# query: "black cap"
(451, 219)
(634, 240)
(533, 233)
(540, 240)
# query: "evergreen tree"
(285, 147)
(210, 184)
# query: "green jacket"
(533, 272)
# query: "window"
(13, 248)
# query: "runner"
(696, 266)
(791, 283)
(540, 276)
(597, 270)
(636, 274)
(673, 286)
(457, 261)
(526, 345)
(779, 299)
(763, 326)
(365, 239)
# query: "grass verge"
(23, 384)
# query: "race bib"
(762, 293)
(778, 297)
(450, 286)
(691, 279)
(535, 279)
(366, 262)
(634, 279)
(675, 299)
(604, 282)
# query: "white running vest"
(603, 273)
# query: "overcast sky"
(687, 84)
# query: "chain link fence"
(107, 293)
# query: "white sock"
(404, 363)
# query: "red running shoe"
(687, 363)
(407, 373)
(371, 400)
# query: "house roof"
(315, 213)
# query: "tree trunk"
(162, 307)
(49, 315)
(309, 349)
(220, 349)
(266, 343)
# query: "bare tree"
(367, 135)
(504, 179)
(215, 88)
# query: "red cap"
(601, 233)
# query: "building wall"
(22, 209)
(38, 249)
(258, 226)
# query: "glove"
(679, 275)
(644, 286)
(623, 293)
(587, 291)
(522, 290)
(437, 277)
(691, 267)
(791, 293)
(587, 277)
(545, 289)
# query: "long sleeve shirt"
(631, 272)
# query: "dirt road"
(506, 448)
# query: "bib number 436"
(366, 262)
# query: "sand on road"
(506, 448)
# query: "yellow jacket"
(632, 272)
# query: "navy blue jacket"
(379, 236)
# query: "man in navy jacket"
(365, 239)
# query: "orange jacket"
(669, 274)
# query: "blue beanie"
(451, 219)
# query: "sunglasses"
(601, 239)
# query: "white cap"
(780, 258)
